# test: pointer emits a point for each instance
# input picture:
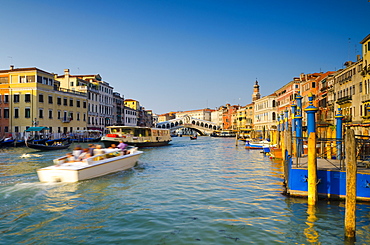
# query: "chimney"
(66, 72)
(11, 67)
(358, 57)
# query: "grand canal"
(205, 191)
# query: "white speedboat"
(111, 161)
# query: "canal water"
(204, 191)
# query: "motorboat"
(136, 136)
(223, 133)
(257, 144)
(113, 160)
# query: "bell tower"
(256, 92)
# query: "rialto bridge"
(201, 126)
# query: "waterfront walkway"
(330, 164)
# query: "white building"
(265, 113)
(130, 116)
(202, 114)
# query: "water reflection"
(310, 232)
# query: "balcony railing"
(365, 98)
(347, 118)
(66, 120)
(344, 100)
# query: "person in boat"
(83, 154)
(70, 157)
(99, 151)
(77, 151)
(123, 147)
(91, 149)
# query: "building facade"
(35, 98)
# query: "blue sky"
(178, 55)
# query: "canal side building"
(99, 95)
(365, 83)
(245, 118)
(265, 116)
(35, 98)
(118, 109)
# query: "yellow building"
(36, 99)
(245, 117)
(133, 104)
(365, 84)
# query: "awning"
(36, 129)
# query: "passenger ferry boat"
(136, 136)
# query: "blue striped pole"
(311, 111)
(338, 133)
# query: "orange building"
(310, 86)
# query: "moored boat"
(113, 160)
(136, 136)
(257, 144)
(223, 133)
(276, 152)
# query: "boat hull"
(47, 147)
(256, 146)
(82, 171)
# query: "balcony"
(344, 100)
(365, 98)
(347, 119)
(66, 120)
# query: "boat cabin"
(137, 136)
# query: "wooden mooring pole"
(351, 172)
(312, 170)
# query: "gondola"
(49, 147)
(193, 137)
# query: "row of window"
(59, 129)
(67, 116)
(27, 99)
(102, 109)
(347, 75)
(98, 121)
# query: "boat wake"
(25, 155)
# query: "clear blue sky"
(177, 55)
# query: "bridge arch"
(201, 126)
